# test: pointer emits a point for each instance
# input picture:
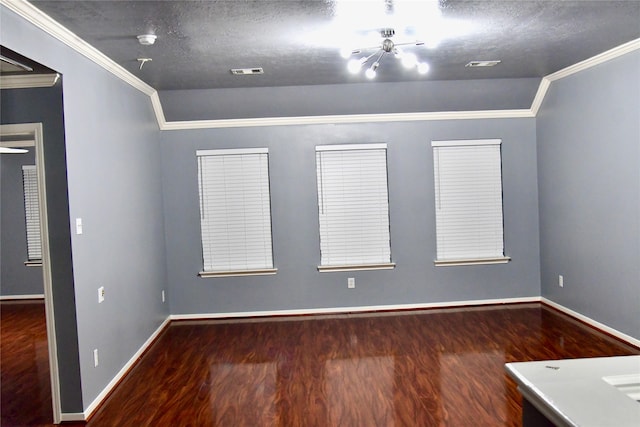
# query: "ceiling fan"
(409, 60)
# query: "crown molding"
(157, 110)
(349, 118)
(608, 55)
(55, 29)
(540, 95)
(27, 81)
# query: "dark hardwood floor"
(418, 368)
(25, 385)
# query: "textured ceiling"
(298, 42)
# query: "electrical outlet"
(163, 295)
(95, 358)
(351, 282)
(100, 294)
(561, 281)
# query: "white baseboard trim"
(345, 310)
(18, 297)
(72, 416)
(624, 337)
(103, 394)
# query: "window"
(468, 199)
(235, 212)
(353, 207)
(32, 213)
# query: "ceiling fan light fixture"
(346, 52)
(423, 68)
(13, 65)
(147, 39)
(355, 65)
(409, 60)
(371, 71)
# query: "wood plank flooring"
(25, 385)
(418, 368)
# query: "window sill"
(34, 263)
(261, 272)
(359, 267)
(480, 261)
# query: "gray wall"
(357, 98)
(45, 106)
(15, 277)
(114, 185)
(589, 183)
(298, 285)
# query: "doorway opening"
(24, 142)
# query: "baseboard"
(72, 416)
(359, 309)
(594, 323)
(19, 297)
(123, 372)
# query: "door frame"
(17, 136)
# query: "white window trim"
(471, 261)
(233, 272)
(479, 261)
(364, 266)
(361, 267)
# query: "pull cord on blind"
(235, 212)
(353, 207)
(468, 200)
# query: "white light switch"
(78, 225)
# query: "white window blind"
(468, 199)
(235, 211)
(353, 206)
(32, 212)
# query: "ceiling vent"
(474, 64)
(247, 71)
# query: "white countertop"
(572, 392)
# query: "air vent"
(247, 71)
(492, 63)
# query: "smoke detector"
(147, 39)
